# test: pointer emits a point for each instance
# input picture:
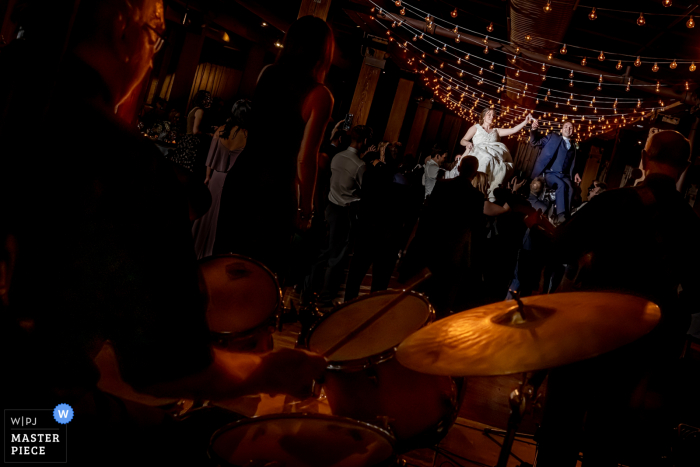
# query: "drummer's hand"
(289, 371)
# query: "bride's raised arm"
(468, 136)
(511, 131)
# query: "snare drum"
(244, 301)
(366, 382)
(301, 440)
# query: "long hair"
(481, 183)
(308, 48)
(239, 119)
(483, 114)
(200, 97)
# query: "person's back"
(347, 172)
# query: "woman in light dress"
(484, 142)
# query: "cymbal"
(553, 330)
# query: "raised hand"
(535, 124)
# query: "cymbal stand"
(520, 399)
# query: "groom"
(556, 164)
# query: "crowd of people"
(110, 237)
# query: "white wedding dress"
(494, 158)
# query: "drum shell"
(417, 407)
(388, 458)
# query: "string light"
(489, 28)
(563, 50)
(690, 24)
(583, 62)
(457, 39)
(667, 3)
(528, 37)
(592, 15)
(601, 57)
(548, 7)
(492, 65)
(673, 65)
(619, 65)
(686, 86)
(454, 13)
(402, 12)
(397, 2)
(692, 66)
(638, 62)
(641, 21)
(486, 49)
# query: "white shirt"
(346, 177)
(430, 176)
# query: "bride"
(494, 159)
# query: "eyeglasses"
(161, 38)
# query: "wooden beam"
(398, 110)
(366, 85)
(418, 126)
(317, 8)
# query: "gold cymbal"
(557, 329)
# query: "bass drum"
(365, 382)
(301, 440)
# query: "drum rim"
(274, 315)
(365, 362)
(305, 415)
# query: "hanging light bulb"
(459, 60)
(503, 80)
(600, 79)
(397, 2)
(421, 36)
(571, 84)
(489, 28)
(592, 15)
(686, 86)
(455, 30)
(549, 57)
(454, 13)
(544, 77)
(692, 66)
(492, 65)
(571, 75)
(641, 21)
(690, 24)
(481, 71)
(444, 47)
(548, 7)
(437, 51)
(427, 19)
(549, 92)
(563, 50)
(601, 57)
(517, 73)
(657, 86)
(667, 3)
(583, 62)
(393, 25)
(543, 67)
(629, 82)
(528, 37)
(655, 68)
(639, 102)
(637, 62)
(673, 65)
(415, 38)
(442, 65)
(466, 57)
(619, 65)
(402, 12)
(423, 55)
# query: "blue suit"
(556, 163)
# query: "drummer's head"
(118, 38)
(567, 129)
(487, 116)
(666, 152)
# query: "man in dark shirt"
(641, 241)
(103, 246)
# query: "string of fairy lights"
(443, 91)
(446, 97)
(602, 55)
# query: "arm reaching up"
(511, 131)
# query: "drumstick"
(424, 274)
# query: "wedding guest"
(192, 146)
(228, 143)
(260, 208)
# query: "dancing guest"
(261, 207)
(557, 164)
(494, 158)
(228, 143)
(192, 146)
(432, 169)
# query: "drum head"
(409, 315)
(242, 293)
(301, 440)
